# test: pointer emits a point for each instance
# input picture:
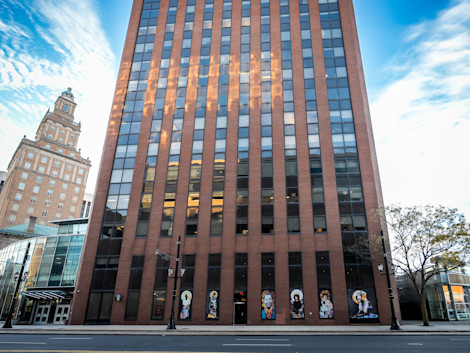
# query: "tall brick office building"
(244, 128)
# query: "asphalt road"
(226, 344)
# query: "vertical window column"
(213, 287)
(186, 288)
(241, 278)
(159, 289)
(175, 144)
(296, 286)
(358, 266)
(192, 211)
(267, 191)
(268, 287)
(133, 290)
(324, 285)
(292, 188)
(218, 181)
(101, 296)
(316, 174)
(244, 121)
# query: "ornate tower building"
(47, 177)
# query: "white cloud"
(422, 118)
(58, 44)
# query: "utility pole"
(17, 288)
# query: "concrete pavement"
(407, 327)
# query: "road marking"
(261, 339)
(71, 338)
(258, 344)
(89, 351)
(460, 339)
(414, 344)
(23, 342)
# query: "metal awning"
(46, 294)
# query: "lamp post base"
(171, 324)
(395, 326)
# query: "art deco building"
(243, 127)
(46, 177)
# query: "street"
(262, 344)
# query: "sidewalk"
(408, 328)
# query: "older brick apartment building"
(243, 127)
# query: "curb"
(230, 333)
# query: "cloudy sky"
(416, 64)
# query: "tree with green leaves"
(425, 241)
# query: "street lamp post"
(171, 324)
(17, 288)
(394, 325)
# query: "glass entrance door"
(239, 313)
(61, 314)
(42, 314)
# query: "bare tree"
(425, 241)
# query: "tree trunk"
(424, 309)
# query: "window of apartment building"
(135, 283)
(69, 167)
(67, 177)
(55, 172)
(12, 218)
(75, 199)
(72, 154)
(44, 160)
(27, 165)
(49, 136)
(48, 147)
(41, 169)
(65, 186)
(49, 192)
(62, 196)
(80, 171)
(61, 140)
(30, 155)
(79, 180)
(21, 186)
(47, 203)
(324, 282)
(52, 183)
(52, 128)
(33, 200)
(38, 179)
(36, 189)
(18, 196)
(44, 213)
(60, 206)
(24, 176)
(15, 207)
(72, 208)
(56, 164)
(60, 150)
(76, 190)
(58, 215)
(159, 294)
(30, 210)
(213, 286)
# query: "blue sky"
(415, 56)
